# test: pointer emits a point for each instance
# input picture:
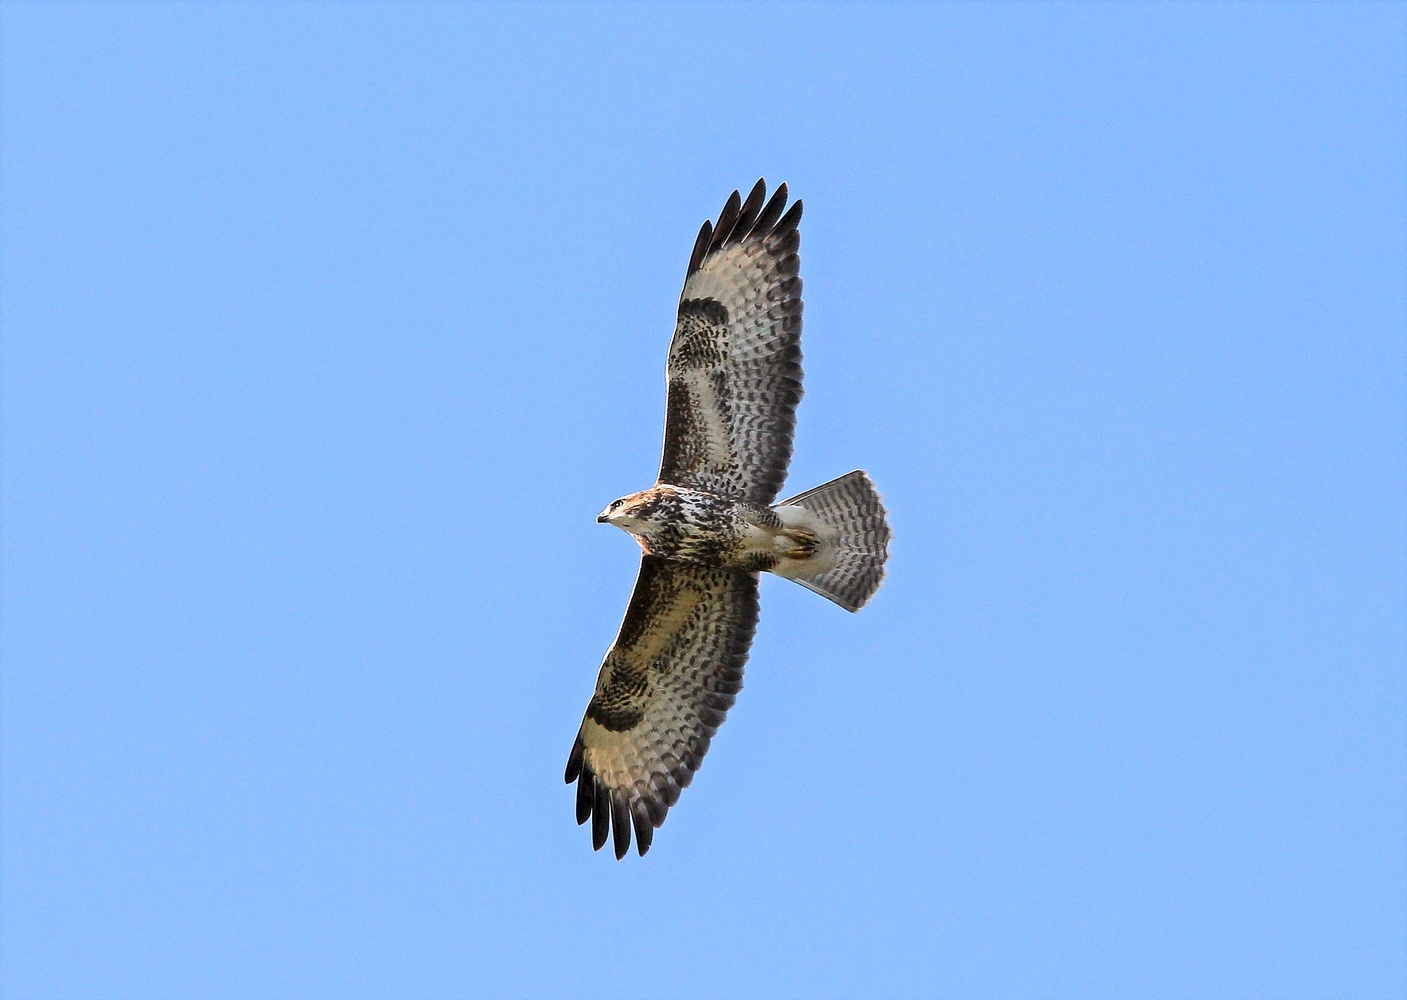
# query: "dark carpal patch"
(701, 334)
(616, 718)
(711, 310)
(619, 706)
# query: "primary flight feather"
(708, 527)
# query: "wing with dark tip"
(735, 360)
(666, 684)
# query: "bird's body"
(710, 525)
(707, 529)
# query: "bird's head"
(636, 513)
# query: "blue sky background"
(328, 329)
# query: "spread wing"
(667, 682)
(735, 360)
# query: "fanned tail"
(859, 547)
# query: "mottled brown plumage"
(707, 527)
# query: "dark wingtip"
(745, 219)
(620, 823)
(600, 817)
(790, 220)
(574, 760)
(644, 827)
(727, 219)
(748, 214)
(700, 246)
(772, 212)
(585, 794)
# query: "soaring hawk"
(709, 525)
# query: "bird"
(711, 524)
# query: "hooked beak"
(601, 518)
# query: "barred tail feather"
(851, 506)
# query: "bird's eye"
(616, 504)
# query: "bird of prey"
(709, 526)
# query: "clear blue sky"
(328, 329)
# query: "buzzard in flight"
(709, 525)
